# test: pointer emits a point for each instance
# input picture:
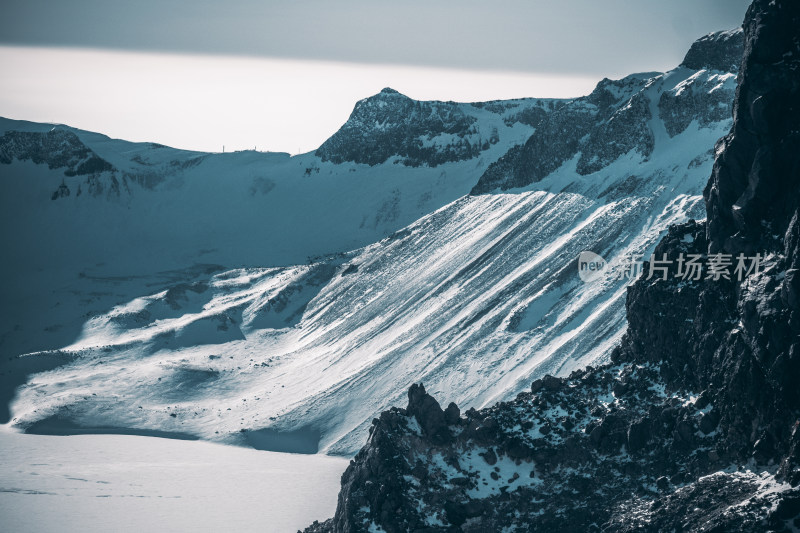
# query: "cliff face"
(741, 343)
(753, 193)
(720, 50)
(694, 425)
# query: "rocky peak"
(721, 50)
(386, 95)
(390, 124)
(428, 413)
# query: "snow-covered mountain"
(282, 302)
(620, 116)
(76, 203)
(694, 423)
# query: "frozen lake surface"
(131, 483)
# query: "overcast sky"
(465, 50)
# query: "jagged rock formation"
(615, 118)
(704, 98)
(692, 427)
(551, 460)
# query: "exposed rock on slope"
(703, 97)
(615, 118)
(74, 153)
(56, 148)
(416, 133)
(693, 427)
(579, 126)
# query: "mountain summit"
(392, 126)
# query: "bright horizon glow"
(205, 102)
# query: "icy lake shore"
(132, 483)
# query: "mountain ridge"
(620, 110)
(390, 125)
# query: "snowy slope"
(138, 212)
(474, 295)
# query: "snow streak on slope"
(475, 300)
(87, 222)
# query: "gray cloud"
(610, 37)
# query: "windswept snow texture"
(475, 298)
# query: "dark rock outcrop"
(56, 148)
(694, 426)
(753, 194)
(428, 414)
